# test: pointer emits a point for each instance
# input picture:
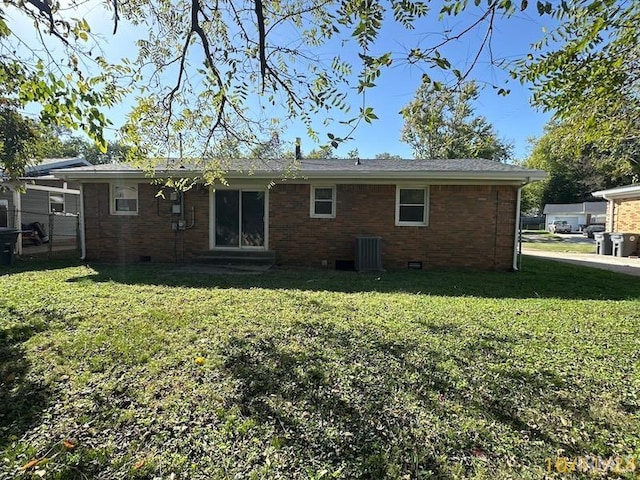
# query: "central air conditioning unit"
(368, 254)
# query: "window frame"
(64, 202)
(425, 206)
(312, 206)
(4, 203)
(112, 202)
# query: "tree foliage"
(272, 149)
(587, 71)
(590, 62)
(322, 152)
(440, 123)
(579, 164)
(387, 156)
(67, 93)
(18, 142)
(227, 71)
(61, 143)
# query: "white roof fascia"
(420, 175)
(623, 192)
(354, 176)
(45, 188)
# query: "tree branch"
(45, 9)
(262, 41)
(486, 38)
(116, 17)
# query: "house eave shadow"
(538, 279)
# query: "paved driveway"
(630, 266)
(575, 238)
(571, 238)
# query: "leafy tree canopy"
(60, 143)
(18, 142)
(324, 151)
(56, 142)
(579, 163)
(589, 63)
(215, 71)
(387, 156)
(440, 123)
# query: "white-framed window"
(323, 202)
(56, 202)
(124, 199)
(412, 206)
(4, 213)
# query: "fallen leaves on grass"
(33, 463)
(69, 444)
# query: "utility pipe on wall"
(83, 245)
(516, 237)
(17, 217)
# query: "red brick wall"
(469, 226)
(119, 238)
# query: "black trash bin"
(8, 238)
(624, 244)
(603, 243)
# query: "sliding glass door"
(239, 218)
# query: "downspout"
(83, 245)
(612, 206)
(17, 205)
(517, 239)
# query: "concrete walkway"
(67, 246)
(630, 266)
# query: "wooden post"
(50, 235)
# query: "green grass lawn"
(145, 372)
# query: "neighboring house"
(623, 208)
(38, 194)
(578, 215)
(439, 213)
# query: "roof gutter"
(611, 196)
(620, 192)
(44, 188)
(311, 175)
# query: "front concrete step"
(236, 257)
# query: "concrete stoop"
(237, 260)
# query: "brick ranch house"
(623, 208)
(432, 213)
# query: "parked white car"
(560, 226)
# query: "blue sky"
(512, 116)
